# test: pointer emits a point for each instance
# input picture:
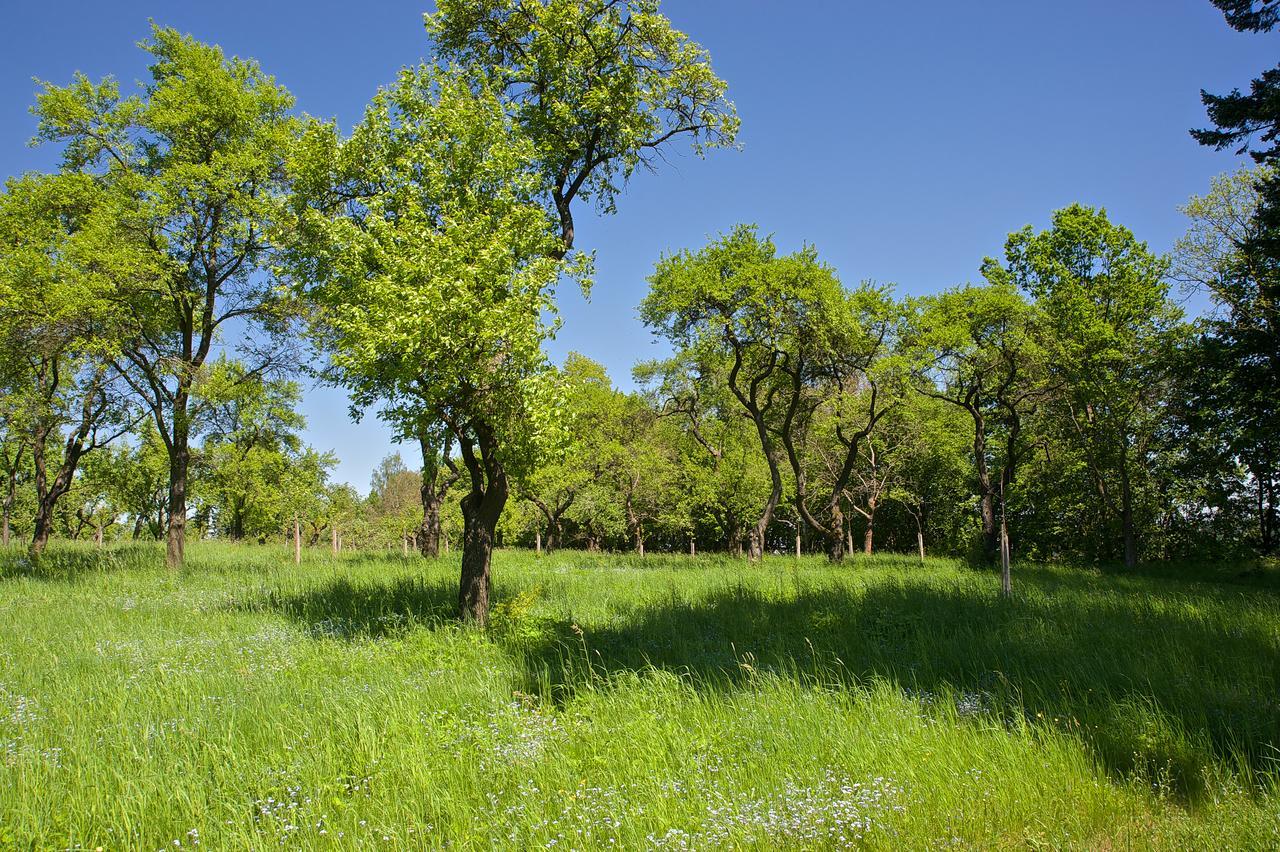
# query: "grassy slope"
(664, 702)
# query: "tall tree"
(1110, 327)
(198, 157)
(844, 375)
(1232, 385)
(737, 301)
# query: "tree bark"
(1126, 509)
(297, 541)
(333, 538)
(179, 464)
(49, 492)
(438, 475)
(481, 509)
(1006, 578)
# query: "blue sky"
(903, 140)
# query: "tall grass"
(663, 702)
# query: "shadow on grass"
(1170, 687)
(361, 610)
(68, 562)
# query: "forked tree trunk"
(49, 492)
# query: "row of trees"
(159, 286)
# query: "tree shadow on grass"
(1168, 691)
(70, 562)
(1168, 686)
(361, 610)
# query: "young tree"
(432, 265)
(722, 475)
(197, 159)
(252, 440)
(590, 407)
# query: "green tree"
(1110, 328)
(590, 407)
(432, 266)
(1230, 381)
(197, 162)
(252, 441)
(598, 86)
(979, 349)
(60, 329)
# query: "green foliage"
(598, 87)
(430, 263)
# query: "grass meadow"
(618, 702)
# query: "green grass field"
(618, 702)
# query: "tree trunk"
(920, 544)
(537, 542)
(429, 531)
(43, 526)
(693, 546)
(835, 535)
(481, 509)
(869, 536)
(797, 544)
(297, 541)
(179, 462)
(333, 538)
(990, 529)
(1006, 578)
(48, 493)
(97, 535)
(1126, 509)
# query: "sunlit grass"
(663, 702)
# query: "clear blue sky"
(903, 140)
